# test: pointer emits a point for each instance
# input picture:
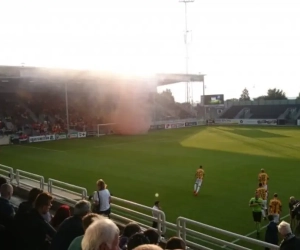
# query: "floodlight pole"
(186, 47)
(67, 107)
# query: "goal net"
(105, 129)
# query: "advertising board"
(191, 124)
(41, 138)
(81, 134)
(298, 122)
(258, 122)
(60, 136)
(73, 135)
(175, 125)
(227, 121)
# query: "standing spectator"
(290, 241)
(271, 235)
(294, 207)
(102, 198)
(71, 227)
(31, 229)
(102, 234)
(86, 222)
(62, 213)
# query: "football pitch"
(164, 162)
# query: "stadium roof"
(20, 72)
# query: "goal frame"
(104, 125)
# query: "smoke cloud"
(132, 113)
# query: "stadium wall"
(269, 122)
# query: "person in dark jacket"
(71, 227)
(271, 235)
(290, 241)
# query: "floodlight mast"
(186, 48)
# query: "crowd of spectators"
(32, 227)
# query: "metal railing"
(142, 216)
(65, 191)
(127, 211)
(183, 232)
(29, 180)
(7, 172)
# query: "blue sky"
(236, 43)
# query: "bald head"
(6, 191)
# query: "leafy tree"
(245, 95)
(276, 94)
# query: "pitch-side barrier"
(126, 211)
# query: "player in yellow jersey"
(262, 193)
(263, 178)
(199, 178)
(275, 208)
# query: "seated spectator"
(175, 243)
(62, 213)
(290, 241)
(152, 235)
(31, 229)
(7, 211)
(101, 234)
(148, 247)
(26, 206)
(86, 222)
(136, 240)
(129, 230)
(71, 227)
(2, 181)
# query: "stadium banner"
(191, 124)
(258, 122)
(157, 127)
(175, 125)
(41, 138)
(81, 134)
(298, 122)
(227, 121)
(73, 135)
(60, 136)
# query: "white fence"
(7, 172)
(126, 211)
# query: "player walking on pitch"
(263, 178)
(199, 178)
(262, 193)
(256, 204)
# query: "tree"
(245, 95)
(276, 94)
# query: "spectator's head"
(33, 193)
(43, 203)
(136, 240)
(131, 229)
(148, 247)
(62, 213)
(2, 181)
(101, 234)
(6, 191)
(292, 199)
(270, 217)
(89, 219)
(101, 184)
(82, 208)
(284, 228)
(175, 243)
(152, 236)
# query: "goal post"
(105, 129)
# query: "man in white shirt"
(155, 214)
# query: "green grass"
(164, 162)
